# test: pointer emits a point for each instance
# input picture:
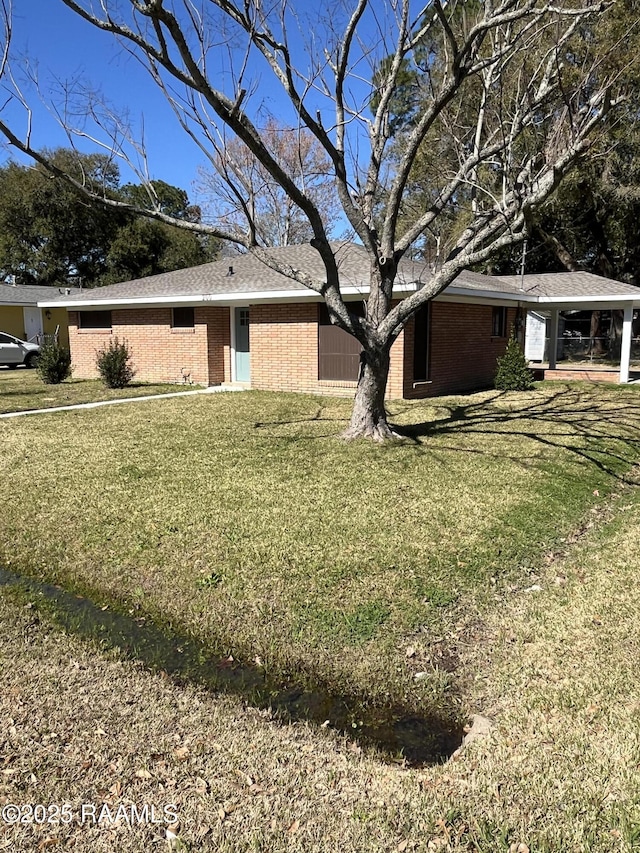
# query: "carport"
(571, 291)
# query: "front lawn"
(556, 670)
(22, 390)
(242, 519)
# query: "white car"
(13, 351)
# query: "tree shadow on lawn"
(398, 732)
(304, 420)
(27, 392)
(604, 432)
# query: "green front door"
(243, 367)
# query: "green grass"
(22, 390)
(244, 520)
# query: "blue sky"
(65, 47)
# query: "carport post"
(625, 351)
(553, 338)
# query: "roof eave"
(603, 301)
(243, 297)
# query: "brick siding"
(284, 348)
(159, 353)
(462, 354)
(573, 374)
(284, 352)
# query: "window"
(338, 351)
(421, 343)
(183, 318)
(499, 322)
(94, 319)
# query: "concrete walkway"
(214, 389)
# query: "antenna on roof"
(522, 263)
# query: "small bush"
(114, 364)
(513, 373)
(54, 364)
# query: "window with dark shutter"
(94, 319)
(499, 322)
(183, 318)
(421, 343)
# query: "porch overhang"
(626, 304)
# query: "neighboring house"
(238, 321)
(20, 314)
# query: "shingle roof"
(571, 285)
(246, 274)
(31, 294)
(250, 275)
(468, 280)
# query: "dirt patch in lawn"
(398, 733)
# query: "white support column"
(625, 351)
(553, 338)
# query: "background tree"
(172, 201)
(143, 247)
(51, 233)
(590, 223)
(516, 90)
(48, 231)
(241, 193)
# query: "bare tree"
(509, 84)
(240, 193)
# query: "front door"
(33, 324)
(243, 371)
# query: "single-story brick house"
(237, 321)
(21, 316)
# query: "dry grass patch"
(559, 672)
(22, 390)
(77, 727)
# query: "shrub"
(513, 373)
(114, 364)
(54, 364)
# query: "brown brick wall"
(571, 374)
(463, 353)
(284, 348)
(159, 353)
(218, 322)
(283, 340)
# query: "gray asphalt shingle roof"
(21, 294)
(468, 280)
(572, 285)
(250, 275)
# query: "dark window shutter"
(338, 351)
(94, 319)
(421, 343)
(183, 318)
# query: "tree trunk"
(596, 342)
(369, 416)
